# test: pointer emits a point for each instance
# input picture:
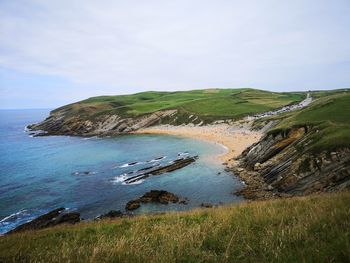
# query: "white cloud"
(128, 46)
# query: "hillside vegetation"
(210, 103)
(307, 229)
(329, 115)
(306, 151)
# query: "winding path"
(284, 109)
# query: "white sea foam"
(119, 179)
(89, 138)
(130, 164)
(14, 216)
(133, 183)
(183, 153)
(157, 159)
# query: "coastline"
(234, 139)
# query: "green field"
(211, 104)
(329, 115)
(304, 229)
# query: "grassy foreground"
(305, 229)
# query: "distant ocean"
(43, 173)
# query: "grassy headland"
(210, 104)
(305, 229)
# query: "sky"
(57, 52)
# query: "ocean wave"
(130, 164)
(122, 178)
(133, 183)
(182, 153)
(157, 159)
(14, 216)
(23, 216)
(119, 179)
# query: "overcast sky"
(56, 52)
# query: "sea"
(39, 174)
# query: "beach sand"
(235, 139)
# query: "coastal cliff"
(61, 123)
(304, 152)
(287, 166)
(304, 149)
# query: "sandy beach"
(234, 138)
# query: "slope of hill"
(306, 151)
(108, 115)
(307, 229)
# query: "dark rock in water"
(155, 196)
(111, 214)
(160, 196)
(71, 218)
(133, 163)
(145, 169)
(207, 205)
(177, 164)
(132, 205)
(52, 218)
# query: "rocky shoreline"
(61, 215)
(280, 165)
(53, 218)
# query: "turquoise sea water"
(42, 173)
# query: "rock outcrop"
(283, 164)
(60, 122)
(155, 196)
(175, 165)
(111, 215)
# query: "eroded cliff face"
(60, 123)
(285, 164)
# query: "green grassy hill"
(209, 104)
(329, 115)
(306, 229)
